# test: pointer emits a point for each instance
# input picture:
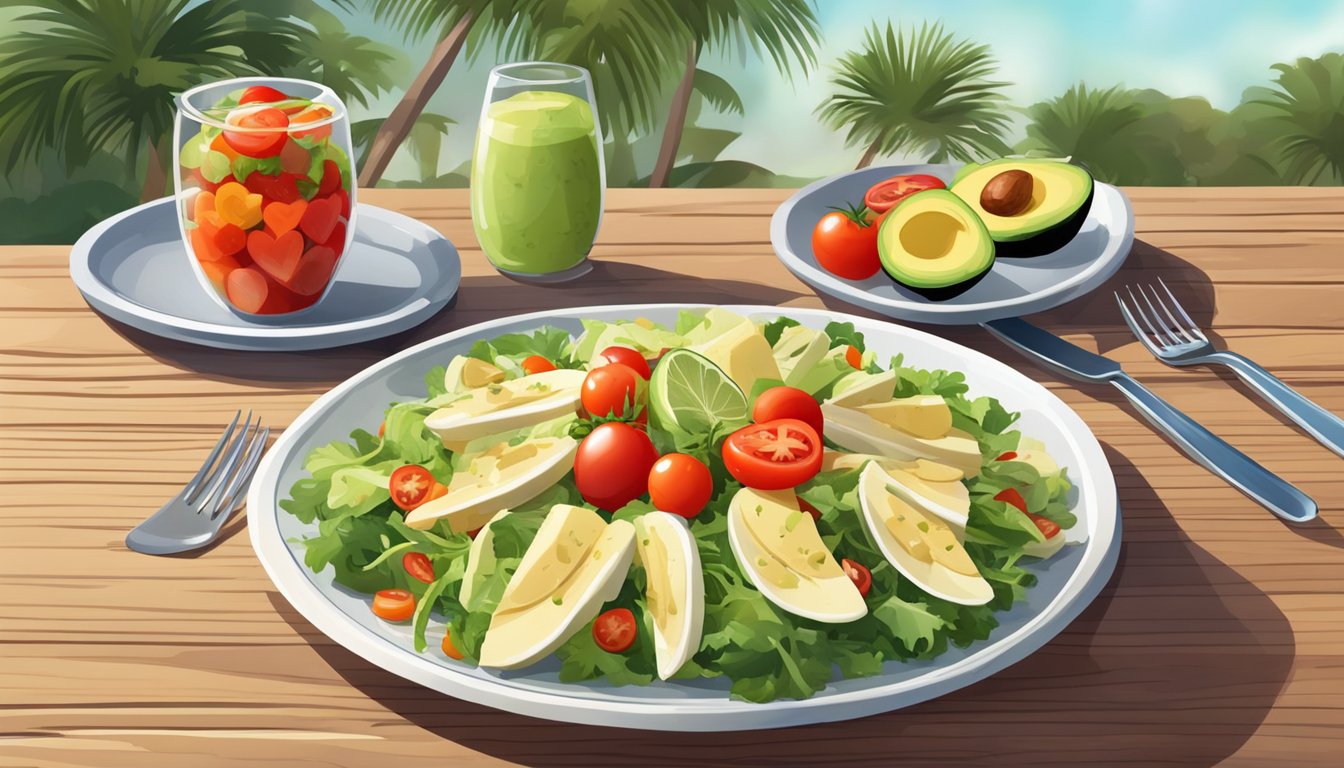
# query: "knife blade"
(1207, 449)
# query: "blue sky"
(1210, 48)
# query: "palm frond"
(1306, 107)
(785, 31)
(718, 92)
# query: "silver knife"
(1206, 448)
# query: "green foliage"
(1306, 113)
(353, 66)
(425, 141)
(63, 215)
(923, 91)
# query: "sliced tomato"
(854, 357)
(417, 564)
(884, 195)
(777, 454)
(787, 403)
(628, 356)
(615, 630)
(1012, 497)
(394, 605)
(1006, 456)
(410, 486)
(262, 93)
(262, 131)
(537, 364)
(1048, 528)
(680, 484)
(859, 574)
(449, 648)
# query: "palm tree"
(785, 29)
(1307, 109)
(924, 92)
(425, 140)
(353, 66)
(88, 75)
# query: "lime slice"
(691, 393)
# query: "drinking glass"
(265, 192)
(537, 176)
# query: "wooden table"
(1218, 639)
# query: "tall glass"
(537, 176)
(265, 191)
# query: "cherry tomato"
(884, 195)
(859, 574)
(394, 605)
(1048, 528)
(417, 564)
(1006, 456)
(680, 484)
(262, 93)
(1012, 497)
(808, 508)
(410, 486)
(537, 364)
(774, 455)
(448, 648)
(611, 467)
(264, 131)
(787, 403)
(854, 357)
(615, 630)
(845, 244)
(629, 357)
(612, 390)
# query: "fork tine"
(194, 484)
(1162, 340)
(1193, 326)
(1176, 326)
(251, 458)
(1157, 320)
(226, 466)
(1134, 326)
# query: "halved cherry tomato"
(859, 574)
(264, 131)
(612, 464)
(612, 390)
(629, 357)
(845, 244)
(262, 93)
(1006, 456)
(808, 508)
(787, 403)
(394, 605)
(418, 566)
(448, 648)
(774, 455)
(884, 195)
(680, 484)
(1012, 497)
(1048, 528)
(854, 357)
(615, 630)
(410, 486)
(537, 364)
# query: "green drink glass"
(537, 176)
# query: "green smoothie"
(536, 182)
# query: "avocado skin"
(1050, 240)
(945, 292)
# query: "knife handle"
(1215, 455)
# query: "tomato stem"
(855, 213)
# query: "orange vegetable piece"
(218, 271)
(282, 217)
(220, 145)
(203, 245)
(237, 206)
(203, 202)
(312, 114)
(246, 289)
(449, 649)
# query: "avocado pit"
(1008, 193)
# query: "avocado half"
(934, 244)
(1060, 199)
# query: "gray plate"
(1013, 287)
(134, 268)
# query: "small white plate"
(1066, 583)
(134, 268)
(1013, 287)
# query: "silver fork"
(192, 518)
(1180, 343)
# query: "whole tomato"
(845, 244)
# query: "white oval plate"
(1013, 287)
(134, 268)
(1066, 585)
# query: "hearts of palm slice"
(283, 217)
(278, 256)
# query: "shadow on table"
(1178, 661)
(479, 298)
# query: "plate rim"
(944, 314)
(259, 337)
(1094, 570)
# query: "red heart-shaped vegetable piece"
(336, 242)
(230, 239)
(314, 271)
(246, 289)
(320, 218)
(331, 178)
(279, 189)
(278, 256)
(283, 217)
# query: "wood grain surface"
(1220, 640)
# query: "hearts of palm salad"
(761, 501)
